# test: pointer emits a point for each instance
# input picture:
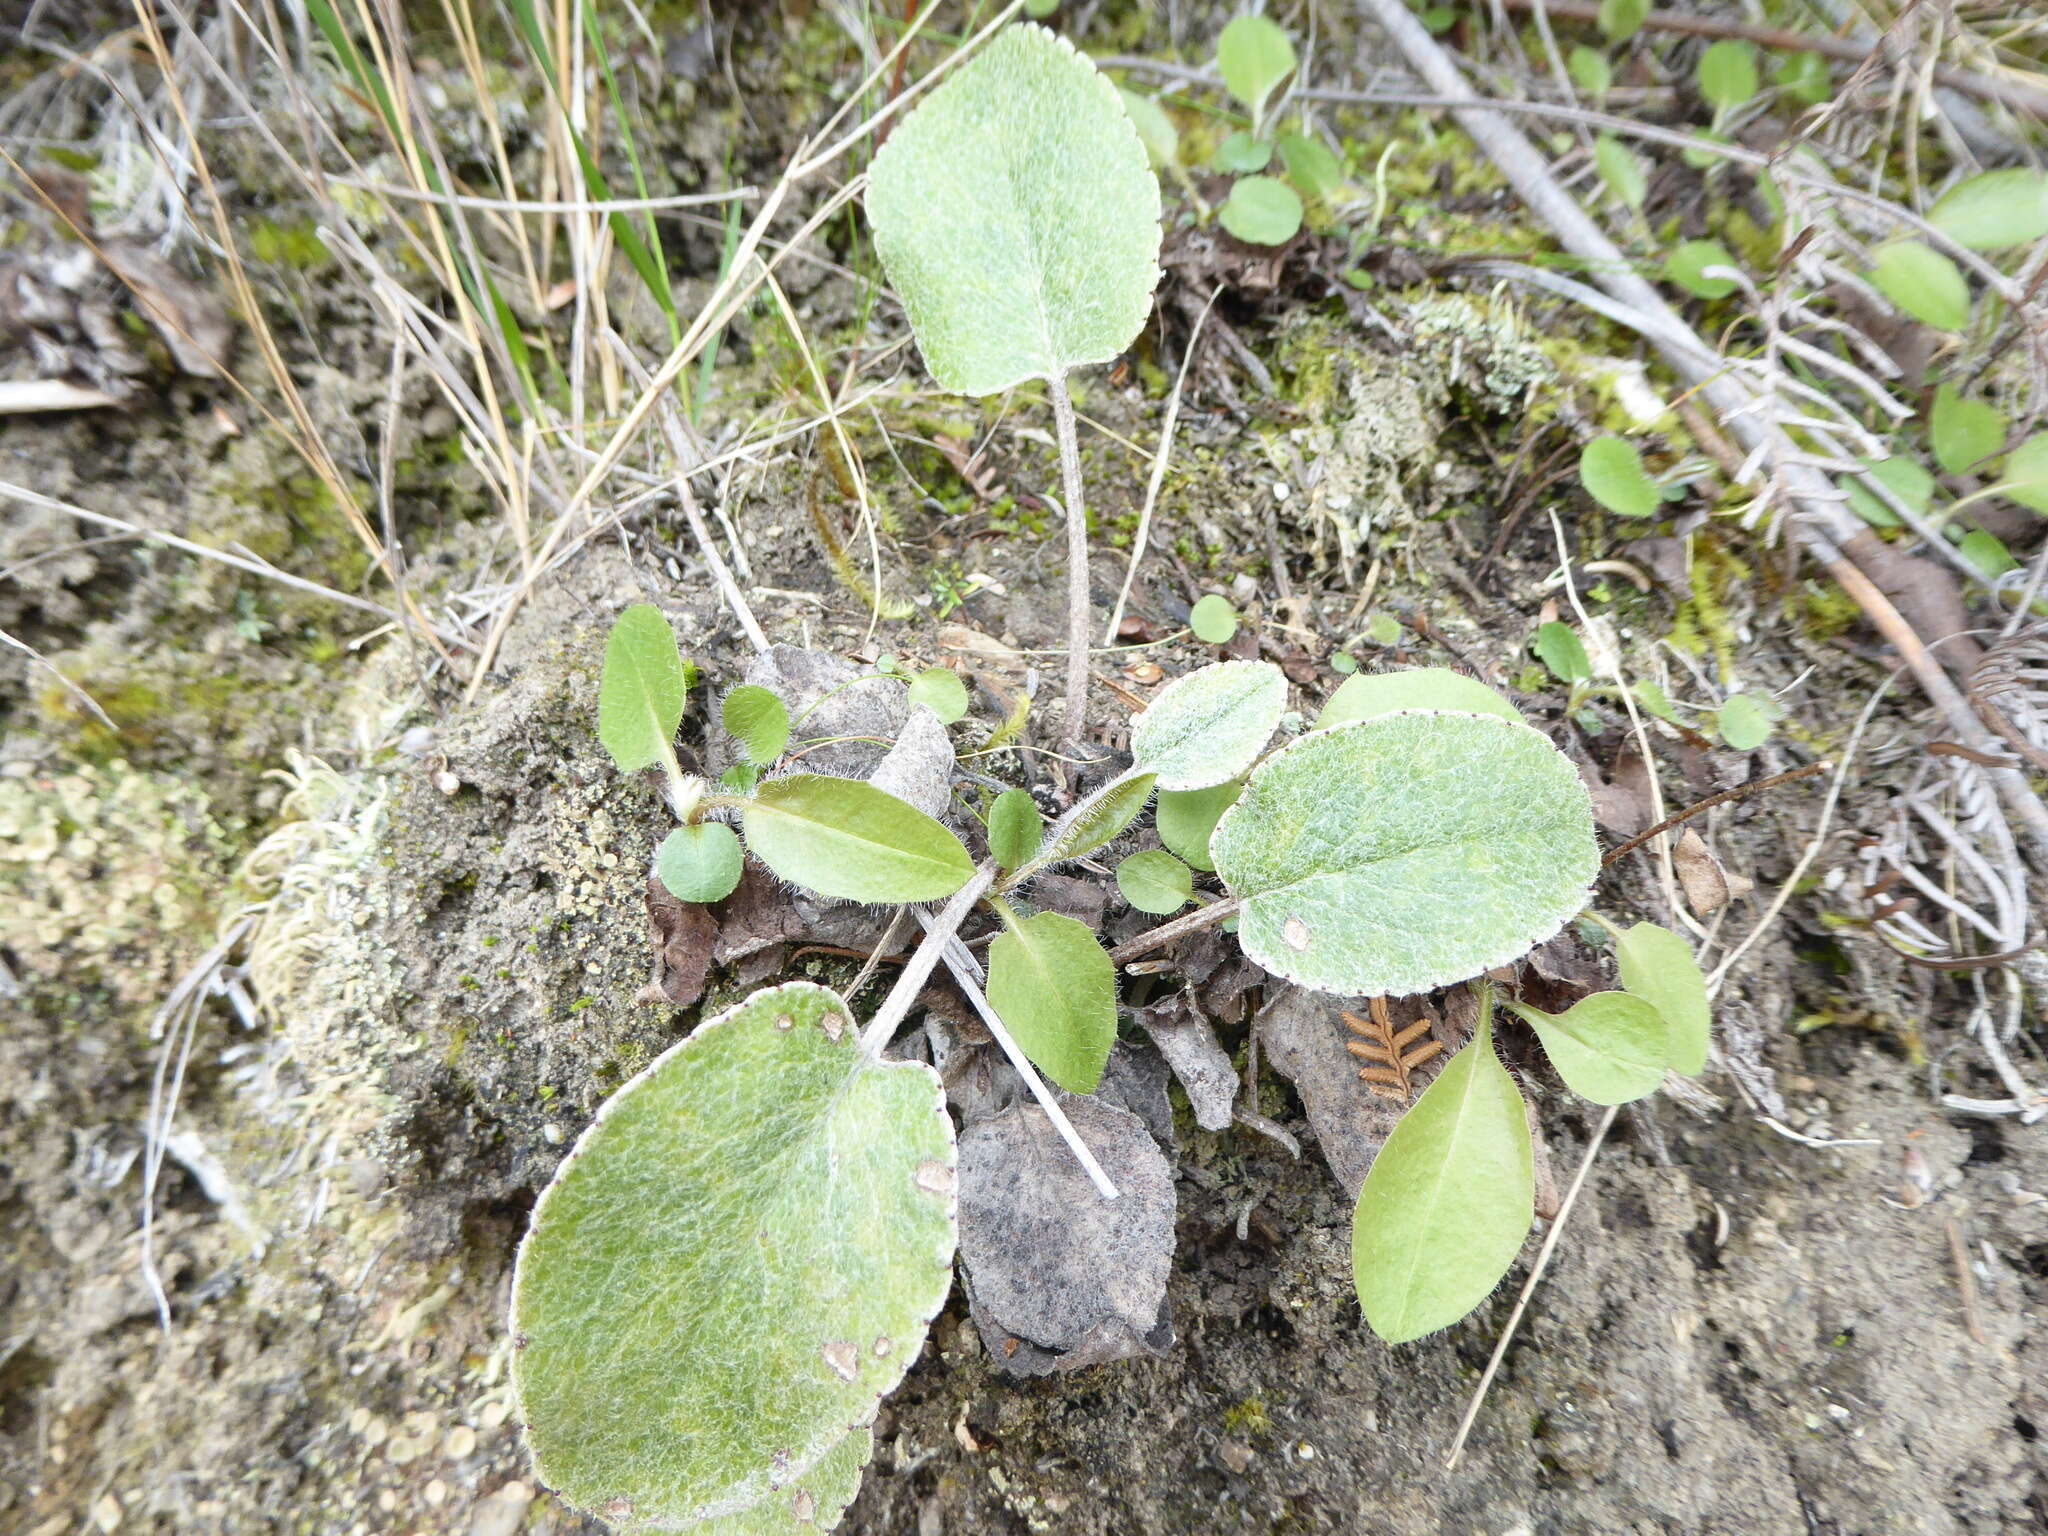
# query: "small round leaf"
(1686, 268)
(1213, 620)
(1186, 819)
(1727, 74)
(1559, 648)
(1924, 283)
(1745, 723)
(758, 720)
(1262, 211)
(1240, 153)
(940, 691)
(1155, 881)
(1622, 19)
(700, 862)
(1612, 472)
(1253, 55)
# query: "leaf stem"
(1166, 933)
(1076, 510)
(938, 934)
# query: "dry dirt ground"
(1744, 1331)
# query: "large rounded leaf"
(842, 838)
(1384, 693)
(1406, 852)
(1207, 727)
(1017, 217)
(734, 1265)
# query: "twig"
(1965, 1281)
(1507, 1334)
(1154, 938)
(1076, 512)
(1159, 463)
(1739, 792)
(918, 969)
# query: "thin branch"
(1076, 512)
(1739, 792)
(918, 969)
(1160, 460)
(1156, 938)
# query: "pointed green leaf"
(1095, 821)
(1262, 210)
(1686, 267)
(1559, 648)
(1621, 170)
(1317, 174)
(759, 721)
(1054, 988)
(1015, 829)
(738, 1261)
(1403, 853)
(1384, 693)
(700, 862)
(940, 691)
(1610, 1047)
(1924, 283)
(1727, 74)
(2025, 476)
(1253, 55)
(1213, 620)
(1446, 1204)
(1994, 210)
(842, 838)
(1155, 129)
(1658, 966)
(640, 699)
(1963, 432)
(1155, 881)
(1612, 472)
(1210, 725)
(1017, 217)
(1744, 722)
(1186, 818)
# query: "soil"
(1824, 1324)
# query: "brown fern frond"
(1387, 1052)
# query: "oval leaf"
(1094, 822)
(1209, 726)
(1155, 881)
(940, 691)
(1904, 478)
(1155, 129)
(1213, 620)
(1253, 55)
(1186, 818)
(1995, 210)
(2025, 478)
(1385, 693)
(1686, 267)
(1924, 283)
(1621, 19)
(1559, 648)
(1316, 172)
(1744, 722)
(1963, 432)
(1015, 829)
(1621, 170)
(1241, 152)
(640, 699)
(1727, 74)
(1017, 217)
(1404, 853)
(1612, 472)
(736, 1262)
(1658, 967)
(851, 840)
(1446, 1204)
(1262, 210)
(1054, 987)
(1610, 1047)
(758, 720)
(700, 862)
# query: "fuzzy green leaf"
(842, 838)
(1994, 210)
(1209, 726)
(1658, 966)
(940, 691)
(1213, 620)
(1610, 1047)
(1155, 881)
(1262, 211)
(1590, 70)
(809, 1504)
(1317, 174)
(700, 862)
(1383, 693)
(1253, 55)
(640, 699)
(1612, 472)
(1446, 1204)
(1744, 722)
(1963, 432)
(1924, 283)
(1186, 819)
(1240, 153)
(1094, 822)
(2025, 477)
(1155, 129)
(1403, 853)
(1015, 829)
(1054, 987)
(1017, 217)
(738, 1261)
(1686, 268)
(759, 721)
(1622, 19)
(1621, 170)
(1559, 648)
(1727, 74)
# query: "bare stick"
(1076, 511)
(964, 977)
(918, 969)
(1500, 1350)
(1739, 792)
(1166, 933)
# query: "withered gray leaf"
(1708, 886)
(1057, 1277)
(684, 933)
(1189, 1045)
(918, 770)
